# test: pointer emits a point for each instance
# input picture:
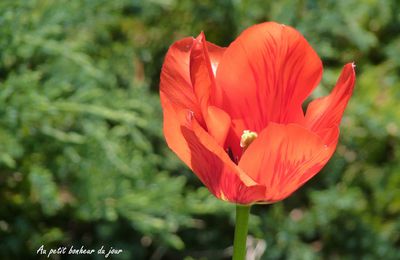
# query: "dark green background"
(82, 156)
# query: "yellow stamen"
(247, 138)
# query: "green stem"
(241, 228)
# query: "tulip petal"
(218, 123)
(284, 157)
(203, 80)
(326, 112)
(201, 74)
(175, 81)
(266, 74)
(206, 157)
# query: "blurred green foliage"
(83, 160)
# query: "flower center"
(247, 138)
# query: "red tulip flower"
(234, 115)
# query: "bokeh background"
(82, 156)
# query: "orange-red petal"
(176, 81)
(203, 80)
(284, 157)
(201, 74)
(266, 74)
(326, 112)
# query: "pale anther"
(247, 138)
